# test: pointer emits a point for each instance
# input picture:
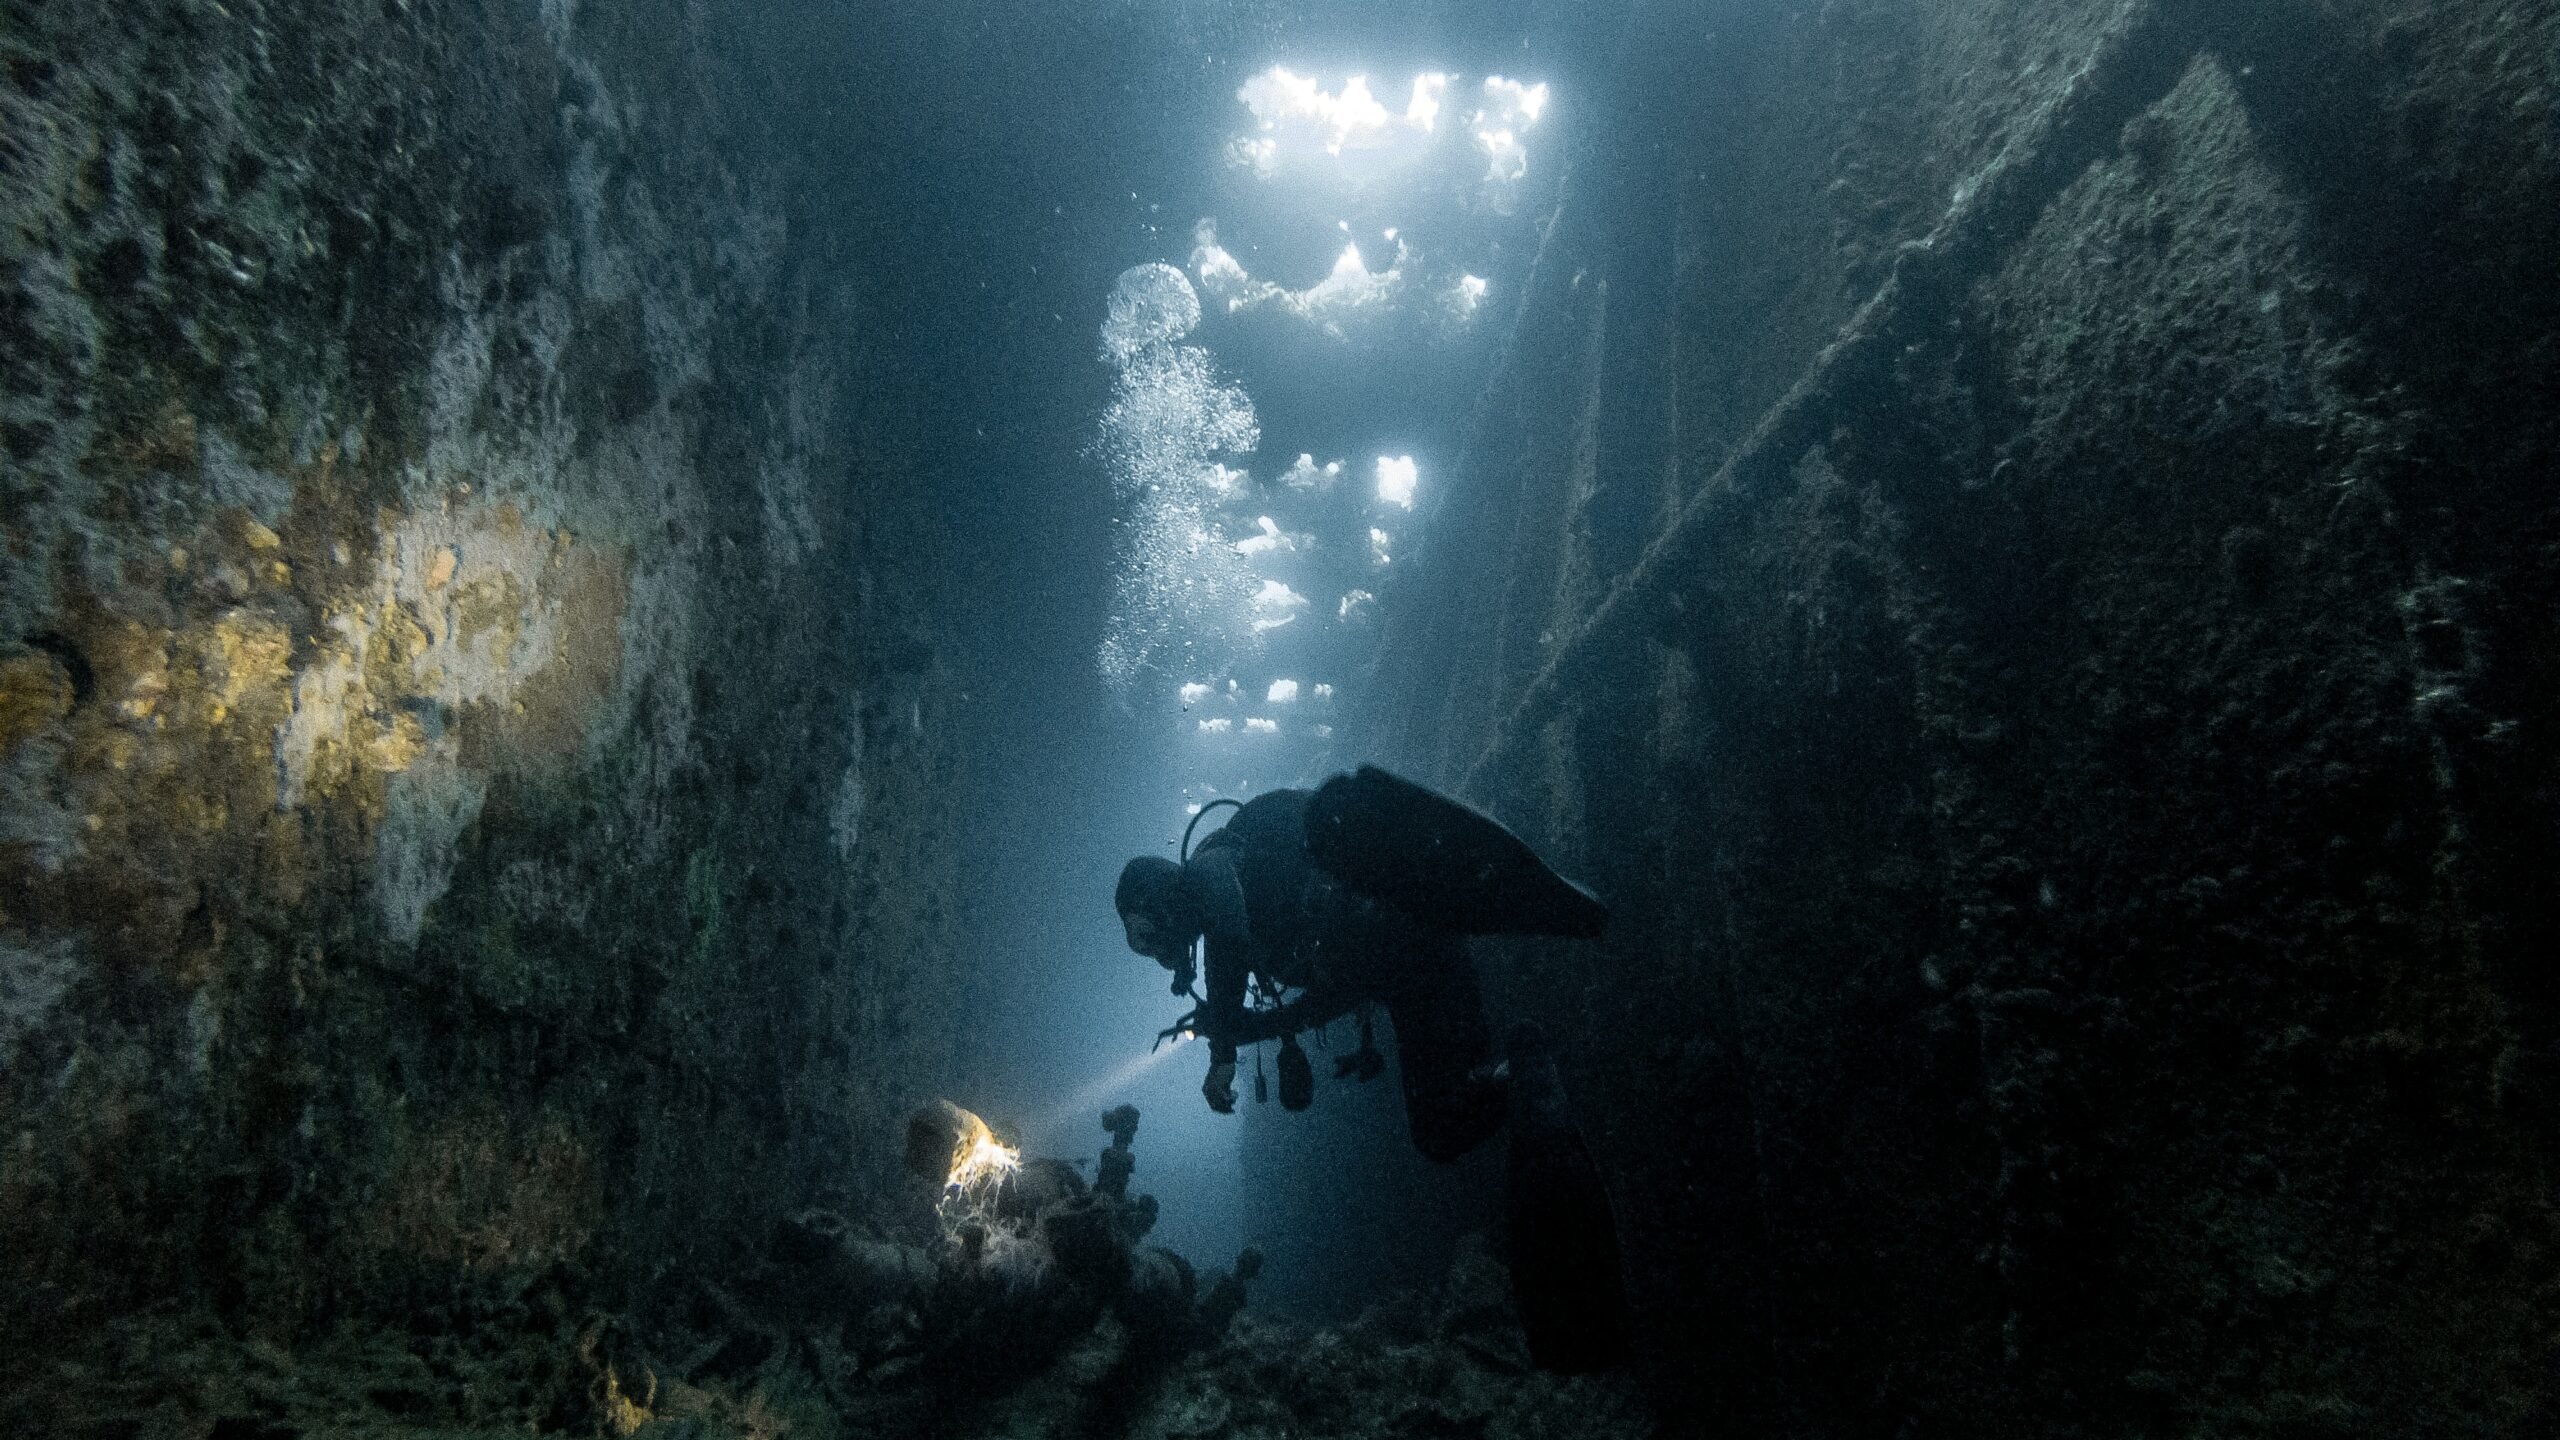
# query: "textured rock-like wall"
(2072, 734)
(474, 786)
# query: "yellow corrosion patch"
(167, 785)
(241, 666)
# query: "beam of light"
(1094, 1096)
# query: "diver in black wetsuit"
(1360, 893)
(1364, 892)
(1273, 919)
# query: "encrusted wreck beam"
(2136, 62)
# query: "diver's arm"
(1218, 1019)
(1216, 899)
(1222, 1015)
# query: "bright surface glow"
(1283, 692)
(1380, 547)
(1461, 301)
(1324, 692)
(1524, 101)
(1324, 732)
(1275, 605)
(1268, 541)
(1355, 603)
(1350, 287)
(1308, 475)
(1396, 477)
(1224, 481)
(1509, 108)
(1260, 726)
(1351, 284)
(1194, 692)
(1219, 726)
(1423, 111)
(1296, 113)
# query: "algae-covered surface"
(533, 1354)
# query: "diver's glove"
(1220, 1088)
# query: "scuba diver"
(1362, 894)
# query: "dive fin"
(1446, 864)
(1566, 1275)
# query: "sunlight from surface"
(1349, 287)
(1462, 300)
(1282, 692)
(1275, 605)
(1397, 475)
(1510, 108)
(1306, 474)
(1267, 539)
(1295, 113)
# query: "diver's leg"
(1453, 1095)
